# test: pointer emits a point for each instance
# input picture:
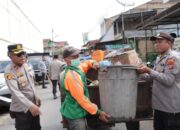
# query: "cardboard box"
(126, 58)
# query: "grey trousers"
(77, 124)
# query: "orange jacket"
(74, 85)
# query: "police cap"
(16, 48)
(162, 35)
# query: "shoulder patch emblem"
(170, 63)
(9, 76)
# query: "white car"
(4, 90)
(5, 94)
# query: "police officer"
(166, 84)
(55, 68)
(25, 103)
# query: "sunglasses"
(20, 54)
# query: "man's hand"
(38, 101)
(104, 116)
(143, 69)
(34, 110)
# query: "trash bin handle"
(133, 67)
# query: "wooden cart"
(143, 108)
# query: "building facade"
(52, 47)
(125, 26)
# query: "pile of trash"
(120, 57)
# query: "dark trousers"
(133, 125)
(166, 121)
(54, 89)
(25, 121)
(43, 79)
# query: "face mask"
(75, 62)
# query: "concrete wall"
(158, 5)
(109, 36)
(16, 27)
(142, 47)
(177, 44)
(106, 24)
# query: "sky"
(70, 18)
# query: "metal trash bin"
(118, 91)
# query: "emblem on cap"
(18, 46)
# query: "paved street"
(50, 118)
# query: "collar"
(165, 54)
(16, 67)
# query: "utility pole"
(52, 42)
(54, 48)
(122, 17)
(52, 34)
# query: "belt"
(169, 113)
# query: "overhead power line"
(124, 4)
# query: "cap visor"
(153, 38)
(19, 51)
(76, 53)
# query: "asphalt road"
(50, 118)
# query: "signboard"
(117, 46)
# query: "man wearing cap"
(55, 67)
(43, 70)
(166, 84)
(25, 104)
(73, 81)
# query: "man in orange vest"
(77, 104)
